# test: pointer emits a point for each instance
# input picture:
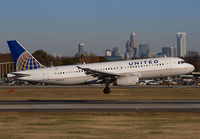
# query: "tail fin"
(22, 58)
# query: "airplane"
(122, 73)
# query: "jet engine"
(127, 80)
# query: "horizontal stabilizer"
(16, 75)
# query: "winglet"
(78, 67)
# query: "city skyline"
(58, 26)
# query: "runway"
(100, 105)
(92, 86)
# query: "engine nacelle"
(127, 80)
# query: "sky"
(58, 26)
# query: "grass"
(96, 94)
(102, 125)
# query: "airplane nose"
(192, 68)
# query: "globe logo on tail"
(27, 62)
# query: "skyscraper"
(144, 51)
(81, 49)
(128, 46)
(131, 48)
(133, 40)
(175, 51)
(167, 51)
(181, 44)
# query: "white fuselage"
(143, 68)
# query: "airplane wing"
(101, 75)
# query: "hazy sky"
(60, 25)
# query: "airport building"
(181, 44)
(6, 68)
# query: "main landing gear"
(107, 90)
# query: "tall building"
(131, 48)
(133, 40)
(167, 51)
(144, 51)
(128, 48)
(81, 49)
(174, 51)
(181, 44)
(135, 53)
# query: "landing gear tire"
(106, 90)
(170, 85)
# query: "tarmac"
(100, 105)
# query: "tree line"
(48, 60)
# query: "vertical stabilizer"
(22, 58)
